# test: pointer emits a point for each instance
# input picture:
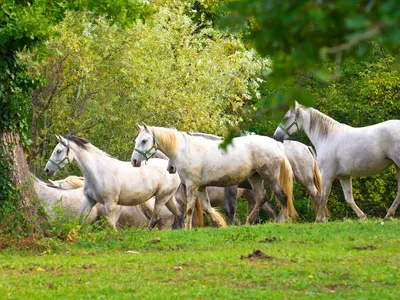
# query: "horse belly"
(364, 167)
(225, 179)
(130, 197)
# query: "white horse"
(344, 151)
(305, 168)
(70, 200)
(112, 182)
(201, 163)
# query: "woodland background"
(176, 67)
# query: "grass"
(343, 260)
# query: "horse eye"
(59, 151)
(144, 142)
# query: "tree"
(24, 25)
(299, 36)
(166, 71)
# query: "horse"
(53, 196)
(344, 151)
(112, 182)
(69, 183)
(305, 168)
(73, 182)
(201, 163)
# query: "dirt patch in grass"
(257, 254)
(268, 240)
(334, 287)
(367, 247)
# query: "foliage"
(25, 24)
(302, 35)
(102, 79)
(17, 228)
(346, 260)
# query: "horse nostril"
(46, 170)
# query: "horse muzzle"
(49, 171)
(136, 163)
(279, 136)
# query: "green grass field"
(343, 260)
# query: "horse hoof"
(388, 218)
(320, 220)
(363, 217)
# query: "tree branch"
(354, 41)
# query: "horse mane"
(75, 181)
(207, 136)
(79, 141)
(322, 123)
(167, 137)
(84, 143)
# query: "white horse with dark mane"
(112, 182)
(344, 151)
(67, 194)
(201, 163)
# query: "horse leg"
(269, 209)
(313, 192)
(348, 195)
(251, 200)
(87, 206)
(230, 203)
(396, 202)
(112, 213)
(326, 190)
(214, 215)
(191, 200)
(158, 205)
(171, 205)
(257, 184)
(281, 196)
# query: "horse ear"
(145, 126)
(296, 105)
(58, 137)
(140, 127)
(63, 140)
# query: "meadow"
(336, 260)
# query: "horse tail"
(286, 182)
(198, 212)
(317, 180)
(219, 217)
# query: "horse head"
(145, 146)
(60, 157)
(289, 125)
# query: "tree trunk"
(19, 172)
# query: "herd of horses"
(174, 176)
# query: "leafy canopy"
(301, 35)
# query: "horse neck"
(319, 127)
(168, 141)
(89, 160)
